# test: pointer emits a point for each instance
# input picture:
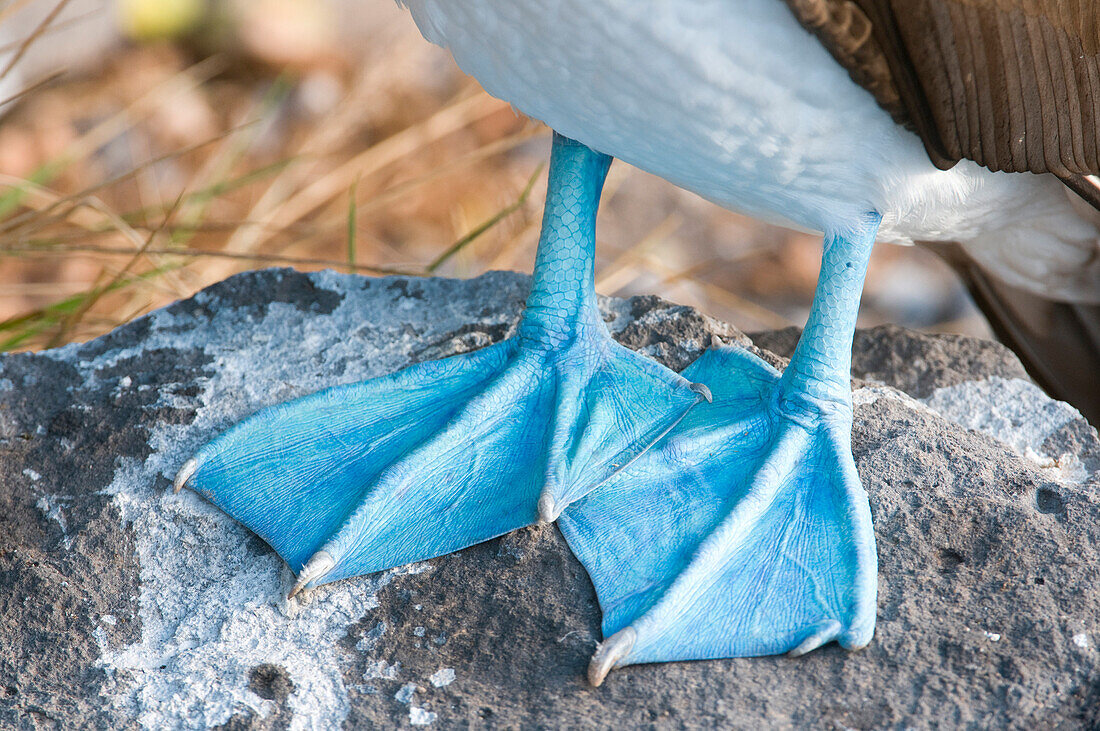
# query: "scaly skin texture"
(746, 530)
(562, 303)
(445, 454)
(822, 364)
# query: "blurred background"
(149, 148)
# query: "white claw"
(608, 653)
(702, 390)
(826, 633)
(317, 566)
(188, 469)
(548, 508)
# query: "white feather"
(733, 100)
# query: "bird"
(717, 511)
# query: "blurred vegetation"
(198, 139)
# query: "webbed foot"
(745, 531)
(446, 454)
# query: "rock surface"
(125, 606)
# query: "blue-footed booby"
(718, 512)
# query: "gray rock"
(126, 606)
(916, 365)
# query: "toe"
(609, 654)
(184, 475)
(859, 635)
(823, 633)
(320, 564)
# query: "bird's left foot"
(745, 532)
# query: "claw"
(317, 566)
(188, 469)
(702, 390)
(608, 653)
(548, 508)
(857, 637)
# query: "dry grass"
(165, 172)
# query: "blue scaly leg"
(745, 531)
(446, 454)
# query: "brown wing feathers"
(1015, 86)
(1011, 84)
(848, 34)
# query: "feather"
(1012, 84)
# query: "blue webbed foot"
(446, 454)
(438, 456)
(745, 532)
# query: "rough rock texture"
(125, 606)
